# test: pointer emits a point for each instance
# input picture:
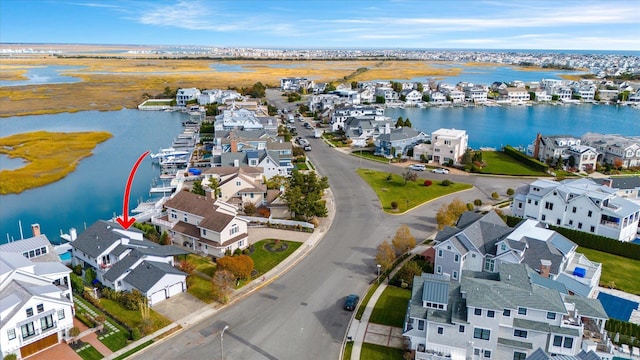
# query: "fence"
(266, 221)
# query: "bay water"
(95, 189)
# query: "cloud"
(96, 5)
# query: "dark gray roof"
(515, 343)
(97, 237)
(167, 250)
(122, 266)
(476, 231)
(399, 134)
(148, 273)
(467, 218)
(546, 282)
(542, 250)
(435, 288)
(516, 245)
(588, 307)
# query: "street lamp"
(378, 266)
(221, 344)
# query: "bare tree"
(409, 176)
(223, 281)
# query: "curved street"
(300, 315)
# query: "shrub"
(77, 270)
(477, 202)
(135, 334)
(315, 222)
(10, 357)
(495, 196)
(394, 205)
(510, 192)
(76, 283)
(446, 182)
(240, 266)
(427, 183)
(389, 177)
(237, 251)
(529, 161)
(470, 206)
(249, 209)
(90, 275)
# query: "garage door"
(39, 345)
(175, 289)
(158, 296)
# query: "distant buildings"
(616, 150)
(578, 204)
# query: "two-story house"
(184, 96)
(514, 94)
(272, 162)
(616, 150)
(411, 95)
(584, 158)
(342, 113)
(124, 260)
(501, 315)
(578, 204)
(36, 310)
(550, 148)
(237, 185)
(396, 142)
(203, 225)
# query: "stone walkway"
(384, 335)
(93, 338)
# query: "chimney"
(545, 268)
(236, 163)
(234, 145)
(35, 229)
(536, 147)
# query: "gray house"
(396, 142)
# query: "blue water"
(489, 74)
(95, 189)
(7, 163)
(220, 67)
(518, 125)
(45, 75)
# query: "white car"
(417, 167)
(440, 171)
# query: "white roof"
(449, 133)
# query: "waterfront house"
(616, 150)
(514, 94)
(243, 119)
(578, 204)
(396, 142)
(367, 96)
(36, 310)
(583, 157)
(388, 93)
(550, 148)
(446, 145)
(273, 162)
(218, 96)
(296, 84)
(124, 261)
(411, 95)
(362, 130)
(541, 95)
(475, 94)
(508, 314)
(184, 96)
(627, 187)
(237, 185)
(203, 225)
(342, 112)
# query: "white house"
(446, 144)
(515, 94)
(411, 95)
(36, 310)
(504, 315)
(615, 148)
(342, 113)
(218, 96)
(237, 185)
(203, 225)
(388, 93)
(553, 147)
(183, 96)
(578, 204)
(124, 261)
(584, 157)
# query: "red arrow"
(125, 222)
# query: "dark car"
(351, 302)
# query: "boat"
(164, 153)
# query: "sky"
(344, 24)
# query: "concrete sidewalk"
(239, 294)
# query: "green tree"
(426, 98)
(403, 98)
(495, 195)
(420, 87)
(213, 185)
(330, 87)
(467, 157)
(249, 209)
(354, 84)
(510, 192)
(399, 122)
(197, 188)
(409, 271)
(407, 123)
(303, 194)
(396, 86)
(164, 238)
(212, 109)
(380, 99)
(90, 275)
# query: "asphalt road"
(300, 316)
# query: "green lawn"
(368, 154)
(202, 263)
(375, 352)
(334, 139)
(201, 288)
(134, 350)
(264, 260)
(90, 353)
(391, 307)
(407, 196)
(501, 164)
(623, 272)
(116, 340)
(133, 318)
(348, 349)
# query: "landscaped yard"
(377, 352)
(115, 340)
(203, 264)
(264, 260)
(201, 288)
(620, 271)
(90, 353)
(500, 163)
(133, 318)
(406, 196)
(391, 307)
(334, 139)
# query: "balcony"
(163, 221)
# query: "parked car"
(417, 167)
(440, 171)
(351, 302)
(307, 147)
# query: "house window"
(473, 256)
(420, 324)
(204, 232)
(522, 311)
(40, 308)
(482, 334)
(234, 229)
(489, 265)
(11, 334)
(186, 218)
(568, 343)
(544, 217)
(520, 333)
(570, 222)
(535, 203)
(477, 311)
(60, 314)
(557, 221)
(240, 243)
(491, 313)
(579, 225)
(487, 354)
(519, 205)
(503, 247)
(461, 328)
(439, 269)
(174, 215)
(506, 313)
(38, 252)
(439, 252)
(528, 201)
(519, 355)
(440, 330)
(27, 330)
(456, 257)
(46, 322)
(455, 274)
(593, 229)
(557, 340)
(574, 210)
(551, 315)
(548, 205)
(476, 351)
(29, 312)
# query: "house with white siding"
(183, 96)
(237, 185)
(508, 314)
(579, 204)
(36, 310)
(446, 144)
(615, 148)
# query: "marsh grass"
(49, 157)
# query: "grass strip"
(134, 350)
(378, 352)
(391, 307)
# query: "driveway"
(178, 306)
(60, 351)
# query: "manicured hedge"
(592, 241)
(629, 332)
(529, 161)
